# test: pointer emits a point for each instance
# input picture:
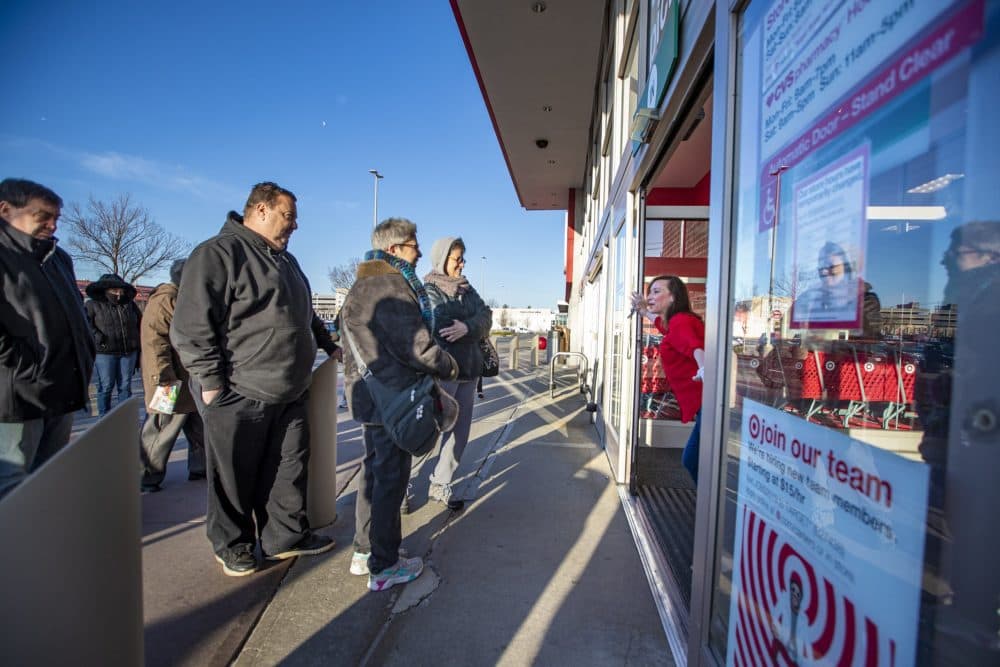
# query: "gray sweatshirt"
(244, 317)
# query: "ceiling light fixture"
(551, 161)
(538, 7)
(935, 184)
(547, 108)
(907, 213)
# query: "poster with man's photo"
(829, 252)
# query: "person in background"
(114, 319)
(682, 352)
(245, 330)
(46, 350)
(387, 317)
(836, 296)
(162, 368)
(461, 320)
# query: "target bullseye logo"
(869, 366)
(754, 426)
(910, 369)
(829, 365)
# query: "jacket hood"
(235, 225)
(176, 269)
(440, 250)
(96, 290)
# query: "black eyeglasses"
(458, 260)
(415, 246)
(830, 270)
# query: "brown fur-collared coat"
(382, 316)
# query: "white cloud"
(130, 168)
(123, 167)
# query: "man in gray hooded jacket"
(245, 330)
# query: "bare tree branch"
(343, 276)
(121, 238)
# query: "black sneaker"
(150, 488)
(238, 561)
(309, 545)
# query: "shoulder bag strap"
(366, 374)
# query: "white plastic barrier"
(71, 560)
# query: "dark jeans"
(378, 528)
(690, 456)
(111, 370)
(258, 461)
(158, 436)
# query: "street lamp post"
(482, 285)
(378, 177)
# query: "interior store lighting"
(935, 184)
(906, 213)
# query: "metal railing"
(581, 374)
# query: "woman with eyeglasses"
(682, 352)
(836, 294)
(461, 320)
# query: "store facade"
(821, 176)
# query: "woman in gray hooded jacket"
(461, 320)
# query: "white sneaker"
(403, 572)
(359, 561)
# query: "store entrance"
(675, 244)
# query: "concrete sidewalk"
(539, 568)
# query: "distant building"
(523, 319)
(142, 292)
(328, 305)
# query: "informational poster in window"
(829, 251)
(829, 547)
(816, 53)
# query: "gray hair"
(393, 231)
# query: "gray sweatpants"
(453, 442)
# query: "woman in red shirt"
(682, 351)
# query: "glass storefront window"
(616, 320)
(862, 440)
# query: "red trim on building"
(142, 292)
(570, 240)
(696, 196)
(486, 98)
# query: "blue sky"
(186, 105)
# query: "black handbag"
(491, 360)
(412, 416)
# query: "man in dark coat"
(114, 319)
(162, 372)
(46, 352)
(387, 317)
(245, 330)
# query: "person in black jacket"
(461, 320)
(46, 352)
(114, 319)
(245, 330)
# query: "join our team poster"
(829, 547)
